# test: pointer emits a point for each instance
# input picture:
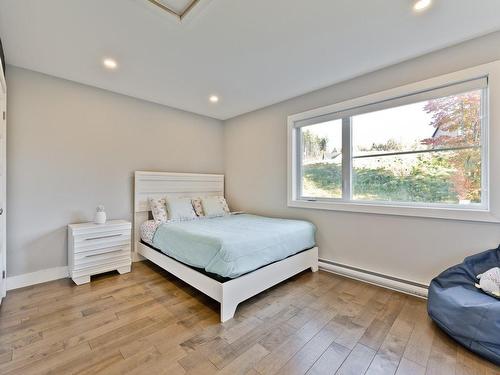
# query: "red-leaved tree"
(457, 120)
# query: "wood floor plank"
(241, 329)
(278, 335)
(47, 365)
(330, 361)
(443, 356)
(149, 322)
(303, 360)
(407, 367)
(119, 333)
(245, 362)
(125, 366)
(302, 317)
(357, 316)
(386, 360)
(375, 334)
(5, 355)
(197, 363)
(167, 341)
(227, 353)
(358, 361)
(419, 345)
(391, 306)
(278, 357)
(164, 365)
(89, 363)
(56, 340)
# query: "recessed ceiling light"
(110, 63)
(214, 98)
(421, 5)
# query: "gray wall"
(72, 147)
(406, 247)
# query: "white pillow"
(180, 209)
(215, 206)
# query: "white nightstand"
(96, 248)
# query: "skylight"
(178, 8)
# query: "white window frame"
(487, 211)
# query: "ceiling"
(249, 53)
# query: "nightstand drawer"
(97, 230)
(105, 252)
(100, 243)
(100, 234)
(102, 259)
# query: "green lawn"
(422, 184)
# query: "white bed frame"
(229, 293)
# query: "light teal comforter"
(232, 245)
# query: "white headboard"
(165, 184)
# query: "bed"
(230, 258)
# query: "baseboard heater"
(375, 278)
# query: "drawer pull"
(106, 252)
(100, 238)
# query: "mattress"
(233, 245)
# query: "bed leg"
(227, 310)
(314, 267)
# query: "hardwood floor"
(148, 321)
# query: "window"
(321, 150)
(424, 150)
(428, 152)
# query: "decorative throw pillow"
(180, 209)
(215, 206)
(197, 206)
(489, 282)
(223, 202)
(147, 230)
(158, 209)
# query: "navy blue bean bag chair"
(464, 312)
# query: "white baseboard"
(404, 286)
(42, 276)
(385, 281)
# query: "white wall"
(72, 147)
(410, 248)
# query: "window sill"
(401, 210)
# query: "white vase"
(100, 217)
